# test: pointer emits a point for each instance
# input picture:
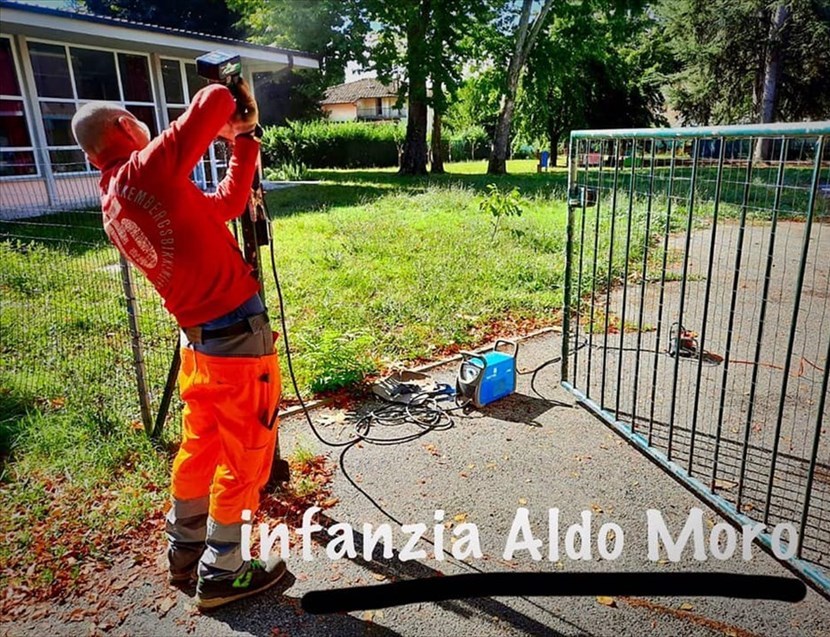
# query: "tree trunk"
(526, 36)
(772, 77)
(553, 136)
(501, 139)
(414, 160)
(437, 167)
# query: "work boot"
(257, 576)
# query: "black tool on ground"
(682, 342)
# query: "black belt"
(199, 335)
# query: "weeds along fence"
(711, 353)
(79, 332)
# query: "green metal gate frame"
(579, 197)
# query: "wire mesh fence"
(67, 302)
(712, 350)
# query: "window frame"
(77, 101)
(27, 117)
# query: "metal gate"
(697, 314)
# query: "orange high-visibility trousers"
(227, 449)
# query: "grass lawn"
(380, 271)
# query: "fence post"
(566, 303)
(138, 355)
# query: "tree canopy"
(722, 49)
(213, 17)
(535, 69)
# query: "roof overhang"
(103, 32)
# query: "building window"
(51, 70)
(67, 77)
(95, 74)
(17, 157)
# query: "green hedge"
(332, 144)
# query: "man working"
(229, 378)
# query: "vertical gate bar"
(577, 323)
(814, 455)
(753, 384)
(641, 313)
(683, 281)
(610, 268)
(732, 308)
(625, 272)
(138, 353)
(661, 300)
(566, 301)
(706, 297)
(594, 275)
(805, 248)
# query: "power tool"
(484, 378)
(682, 342)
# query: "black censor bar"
(438, 589)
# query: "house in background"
(53, 61)
(366, 99)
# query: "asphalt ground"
(705, 424)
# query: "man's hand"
(246, 116)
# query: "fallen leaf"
(725, 484)
(460, 517)
(166, 604)
(607, 601)
(686, 606)
(522, 501)
(596, 508)
(337, 417)
(379, 576)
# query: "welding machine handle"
(506, 342)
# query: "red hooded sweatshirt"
(173, 232)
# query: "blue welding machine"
(484, 378)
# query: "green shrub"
(469, 143)
(336, 360)
(325, 144)
(501, 204)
